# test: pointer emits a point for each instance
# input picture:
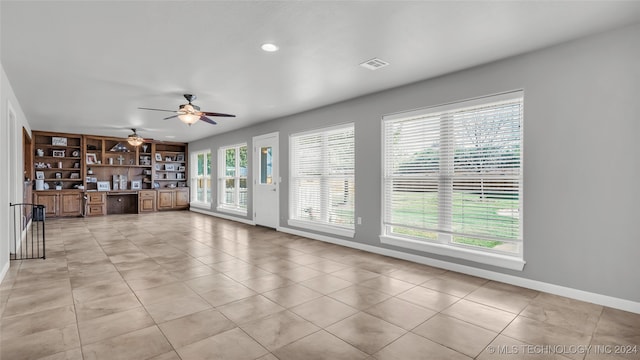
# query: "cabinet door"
(146, 201)
(165, 199)
(50, 202)
(70, 204)
(182, 198)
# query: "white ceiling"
(85, 67)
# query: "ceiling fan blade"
(217, 114)
(170, 117)
(156, 109)
(207, 120)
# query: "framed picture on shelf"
(76, 165)
(180, 157)
(169, 167)
(74, 176)
(92, 159)
(58, 175)
(58, 141)
(104, 186)
(158, 166)
(136, 184)
(181, 168)
(158, 157)
(40, 175)
(58, 153)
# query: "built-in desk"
(122, 202)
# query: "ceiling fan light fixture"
(189, 119)
(135, 139)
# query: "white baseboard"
(222, 216)
(605, 300)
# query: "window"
(322, 180)
(452, 180)
(201, 177)
(232, 193)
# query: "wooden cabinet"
(59, 203)
(96, 203)
(57, 160)
(170, 165)
(146, 201)
(149, 177)
(173, 199)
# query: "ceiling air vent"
(374, 64)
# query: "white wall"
(11, 179)
(581, 161)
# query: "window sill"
(233, 211)
(503, 261)
(322, 228)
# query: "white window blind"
(322, 177)
(232, 182)
(452, 174)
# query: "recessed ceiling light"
(269, 47)
(374, 64)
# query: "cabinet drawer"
(94, 198)
(95, 210)
(147, 194)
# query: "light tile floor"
(180, 285)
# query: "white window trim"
(513, 262)
(229, 208)
(194, 175)
(319, 227)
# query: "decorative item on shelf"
(136, 184)
(79, 186)
(158, 157)
(59, 164)
(110, 161)
(92, 159)
(58, 153)
(120, 181)
(58, 141)
(39, 152)
(158, 166)
(39, 184)
(120, 147)
(89, 171)
(39, 174)
(145, 147)
(169, 167)
(182, 184)
(181, 168)
(103, 186)
(147, 172)
(168, 158)
(58, 185)
(156, 185)
(180, 176)
(75, 153)
(180, 157)
(58, 175)
(40, 165)
(171, 186)
(76, 165)
(74, 176)
(120, 159)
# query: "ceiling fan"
(135, 139)
(190, 113)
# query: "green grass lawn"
(477, 215)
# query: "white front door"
(266, 209)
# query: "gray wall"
(9, 179)
(581, 169)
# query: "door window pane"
(266, 165)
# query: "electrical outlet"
(359, 220)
